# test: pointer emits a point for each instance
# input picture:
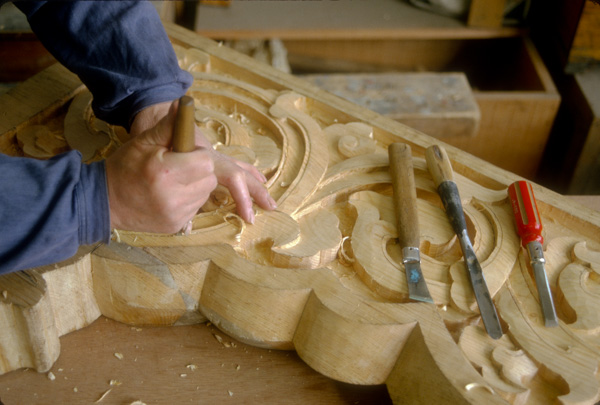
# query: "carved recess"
(322, 274)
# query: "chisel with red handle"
(529, 228)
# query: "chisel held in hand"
(184, 135)
(407, 219)
(529, 228)
(441, 170)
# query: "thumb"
(161, 134)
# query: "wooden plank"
(438, 104)
(320, 275)
(486, 13)
(586, 178)
(376, 19)
(585, 48)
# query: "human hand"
(243, 180)
(151, 188)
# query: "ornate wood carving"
(322, 275)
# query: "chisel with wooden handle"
(407, 219)
(184, 136)
(441, 171)
(529, 228)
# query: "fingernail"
(262, 176)
(250, 215)
(272, 203)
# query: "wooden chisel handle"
(184, 139)
(405, 194)
(439, 164)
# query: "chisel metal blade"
(417, 288)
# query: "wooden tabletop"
(175, 365)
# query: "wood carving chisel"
(184, 136)
(441, 171)
(407, 219)
(529, 228)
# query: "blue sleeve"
(48, 208)
(119, 50)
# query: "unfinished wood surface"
(486, 13)
(584, 51)
(438, 104)
(586, 177)
(321, 275)
(375, 19)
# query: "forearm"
(119, 49)
(49, 208)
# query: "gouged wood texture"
(322, 275)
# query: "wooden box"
(322, 274)
(517, 99)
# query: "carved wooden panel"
(322, 274)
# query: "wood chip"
(103, 395)
(230, 393)
(119, 356)
(192, 367)
(114, 382)
(51, 376)
(137, 403)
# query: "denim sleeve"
(48, 208)
(119, 50)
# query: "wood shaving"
(75, 389)
(219, 338)
(51, 376)
(239, 222)
(192, 367)
(183, 375)
(471, 386)
(137, 403)
(119, 356)
(230, 393)
(342, 255)
(114, 382)
(103, 395)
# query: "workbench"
(176, 365)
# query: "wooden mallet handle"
(184, 139)
(405, 194)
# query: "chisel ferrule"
(410, 255)
(536, 253)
